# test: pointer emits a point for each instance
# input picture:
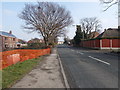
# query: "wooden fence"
(101, 43)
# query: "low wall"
(101, 43)
(8, 58)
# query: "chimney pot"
(10, 32)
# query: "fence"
(101, 43)
(8, 58)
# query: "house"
(36, 40)
(60, 42)
(109, 39)
(110, 33)
(21, 43)
(7, 40)
(93, 35)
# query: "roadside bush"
(34, 46)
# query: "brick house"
(7, 40)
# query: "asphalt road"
(87, 68)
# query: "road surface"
(87, 68)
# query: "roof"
(21, 41)
(110, 33)
(2, 33)
(93, 34)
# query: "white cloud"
(50, 0)
(0, 27)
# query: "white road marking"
(99, 60)
(72, 50)
(81, 53)
(77, 52)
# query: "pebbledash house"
(7, 40)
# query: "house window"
(6, 46)
(13, 39)
(6, 38)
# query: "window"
(6, 38)
(13, 39)
(6, 46)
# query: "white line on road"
(72, 50)
(81, 53)
(99, 60)
(77, 52)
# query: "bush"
(34, 46)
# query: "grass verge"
(15, 72)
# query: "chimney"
(105, 30)
(119, 27)
(10, 32)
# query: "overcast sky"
(79, 9)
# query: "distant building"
(118, 27)
(7, 40)
(109, 39)
(21, 43)
(93, 35)
(110, 33)
(36, 40)
(60, 42)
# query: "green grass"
(15, 72)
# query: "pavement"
(87, 68)
(48, 74)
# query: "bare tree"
(89, 25)
(47, 18)
(109, 3)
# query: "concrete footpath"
(48, 74)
